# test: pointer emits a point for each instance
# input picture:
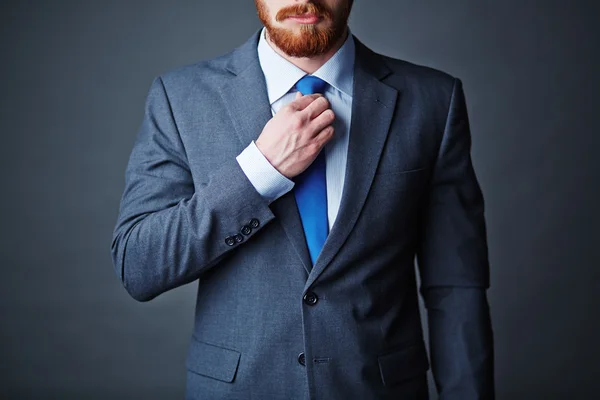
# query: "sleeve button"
(230, 241)
(238, 238)
(254, 223)
(246, 230)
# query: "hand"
(293, 138)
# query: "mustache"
(317, 9)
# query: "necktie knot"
(311, 84)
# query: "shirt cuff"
(265, 178)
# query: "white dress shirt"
(281, 76)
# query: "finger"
(322, 121)
(303, 101)
(298, 95)
(315, 108)
(324, 136)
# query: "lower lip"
(306, 20)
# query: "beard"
(312, 40)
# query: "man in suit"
(297, 179)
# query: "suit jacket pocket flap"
(213, 361)
(403, 364)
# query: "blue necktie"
(310, 187)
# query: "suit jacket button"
(246, 230)
(310, 298)
(238, 238)
(302, 359)
(254, 223)
(230, 241)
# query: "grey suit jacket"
(268, 325)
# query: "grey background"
(74, 78)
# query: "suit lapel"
(245, 97)
(245, 94)
(373, 107)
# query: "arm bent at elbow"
(168, 232)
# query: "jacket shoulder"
(209, 71)
(416, 71)
(408, 75)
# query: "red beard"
(311, 41)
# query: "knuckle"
(297, 121)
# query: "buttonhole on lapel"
(321, 360)
(379, 102)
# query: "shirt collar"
(281, 75)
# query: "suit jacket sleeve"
(453, 264)
(168, 230)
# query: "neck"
(309, 64)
